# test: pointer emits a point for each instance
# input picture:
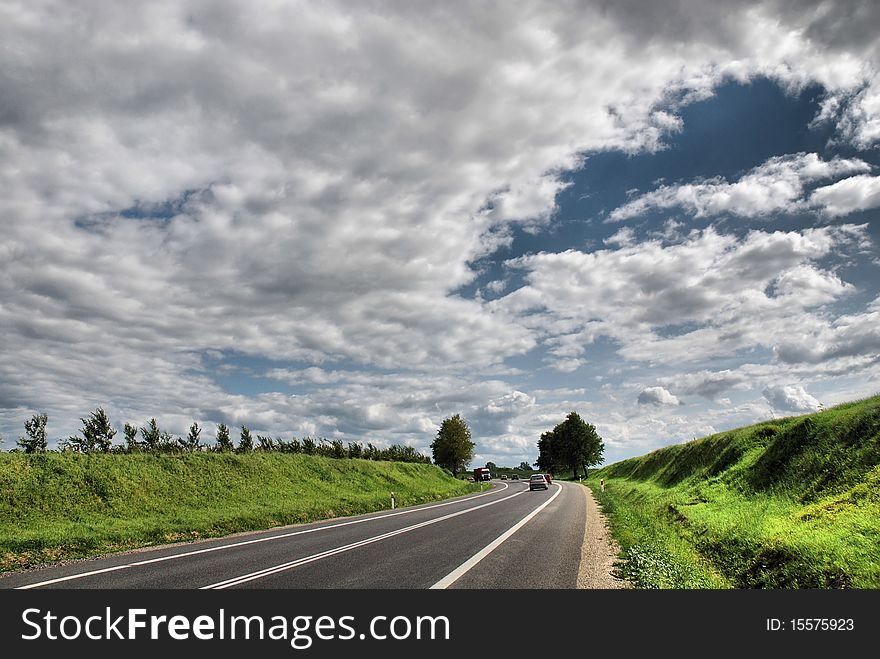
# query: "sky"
(355, 219)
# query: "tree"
(155, 439)
(336, 449)
(246, 443)
(35, 442)
(224, 442)
(152, 435)
(97, 434)
(549, 457)
(453, 448)
(191, 443)
(525, 466)
(293, 446)
(571, 444)
(130, 433)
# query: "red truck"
(482, 474)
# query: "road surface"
(506, 537)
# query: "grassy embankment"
(58, 506)
(789, 503)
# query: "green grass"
(57, 506)
(791, 503)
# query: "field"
(789, 503)
(56, 506)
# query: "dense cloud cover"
(270, 213)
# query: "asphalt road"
(506, 537)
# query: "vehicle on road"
(515, 477)
(538, 482)
(482, 474)
(549, 478)
(504, 477)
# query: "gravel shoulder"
(599, 551)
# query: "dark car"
(538, 482)
(514, 477)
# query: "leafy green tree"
(130, 433)
(525, 466)
(97, 434)
(152, 436)
(453, 448)
(35, 429)
(267, 444)
(246, 441)
(571, 444)
(336, 449)
(224, 441)
(549, 456)
(191, 443)
(155, 439)
(293, 446)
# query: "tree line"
(97, 434)
(571, 444)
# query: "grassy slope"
(790, 503)
(58, 506)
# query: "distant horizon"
(352, 222)
(210, 442)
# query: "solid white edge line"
(460, 571)
(265, 572)
(196, 552)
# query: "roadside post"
(392, 501)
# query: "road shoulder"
(599, 551)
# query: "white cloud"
(862, 367)
(859, 114)
(623, 238)
(657, 396)
(850, 335)
(684, 302)
(313, 182)
(775, 186)
(566, 365)
(809, 286)
(497, 286)
(791, 398)
(856, 193)
(709, 384)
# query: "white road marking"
(458, 572)
(259, 574)
(233, 545)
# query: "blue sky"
(344, 221)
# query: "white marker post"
(392, 501)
